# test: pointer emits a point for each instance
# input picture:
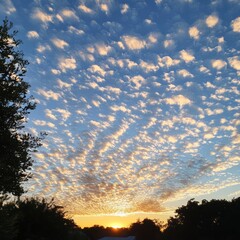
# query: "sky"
(140, 101)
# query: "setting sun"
(116, 226)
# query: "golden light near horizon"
(116, 226)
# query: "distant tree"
(146, 229)
(15, 104)
(215, 220)
(36, 220)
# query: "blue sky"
(140, 100)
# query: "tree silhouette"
(35, 219)
(216, 219)
(15, 105)
(146, 229)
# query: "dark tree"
(15, 104)
(146, 229)
(212, 220)
(35, 219)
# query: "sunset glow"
(139, 100)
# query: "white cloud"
(124, 8)
(67, 13)
(103, 49)
(43, 48)
(179, 100)
(235, 24)
(77, 31)
(168, 43)
(49, 94)
(62, 84)
(42, 16)
(148, 67)
(59, 43)
(138, 81)
(184, 73)
(234, 62)
(67, 63)
(65, 114)
(186, 56)
(85, 9)
(97, 69)
(211, 21)
(7, 7)
(43, 123)
(218, 64)
(134, 43)
(167, 61)
(122, 108)
(194, 32)
(55, 71)
(152, 38)
(32, 34)
(104, 7)
(49, 114)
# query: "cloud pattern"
(140, 100)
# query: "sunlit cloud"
(186, 56)
(32, 34)
(235, 24)
(212, 21)
(59, 43)
(133, 42)
(218, 64)
(85, 9)
(194, 32)
(67, 63)
(42, 16)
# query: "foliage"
(15, 105)
(35, 219)
(217, 219)
(146, 229)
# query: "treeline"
(208, 220)
(36, 219)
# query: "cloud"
(59, 43)
(212, 21)
(85, 9)
(138, 81)
(67, 13)
(133, 43)
(42, 16)
(235, 24)
(104, 7)
(167, 61)
(43, 123)
(184, 73)
(43, 48)
(103, 49)
(168, 43)
(49, 94)
(179, 100)
(97, 69)
(218, 64)
(62, 84)
(234, 62)
(186, 56)
(7, 7)
(67, 63)
(32, 34)
(124, 8)
(148, 67)
(49, 114)
(65, 114)
(194, 32)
